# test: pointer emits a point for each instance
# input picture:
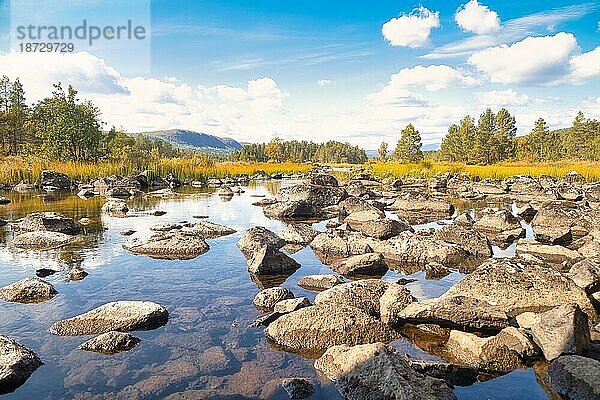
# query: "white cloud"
(324, 82)
(432, 77)
(508, 97)
(585, 66)
(477, 18)
(411, 30)
(543, 60)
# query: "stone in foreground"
(298, 388)
(269, 261)
(115, 316)
(17, 363)
(257, 237)
(363, 294)
(28, 290)
(110, 343)
(377, 371)
(319, 327)
(575, 377)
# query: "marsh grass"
(16, 169)
(427, 168)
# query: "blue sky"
(352, 70)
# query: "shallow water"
(206, 346)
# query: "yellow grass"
(17, 169)
(590, 170)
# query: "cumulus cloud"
(543, 59)
(411, 30)
(477, 18)
(585, 66)
(508, 97)
(432, 77)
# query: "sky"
(356, 71)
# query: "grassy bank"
(590, 170)
(16, 169)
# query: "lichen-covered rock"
(299, 234)
(560, 257)
(267, 298)
(354, 204)
(377, 371)
(116, 316)
(318, 327)
(496, 223)
(290, 305)
(298, 388)
(362, 264)
(322, 180)
(172, 245)
(318, 196)
(210, 230)
(42, 240)
(421, 208)
(381, 229)
(257, 237)
(473, 242)
(326, 281)
(363, 294)
(292, 210)
(395, 299)
(110, 343)
(339, 245)
(586, 274)
(17, 363)
(48, 221)
(575, 377)
(269, 261)
(28, 290)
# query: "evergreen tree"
(382, 152)
(408, 149)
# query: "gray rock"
(28, 290)
(42, 240)
(395, 299)
(338, 245)
(110, 343)
(210, 230)
(225, 191)
(173, 245)
(562, 330)
(457, 312)
(575, 377)
(118, 193)
(17, 363)
(77, 274)
(4, 201)
(24, 188)
(495, 223)
(115, 207)
(317, 196)
(318, 327)
(165, 227)
(421, 208)
(354, 204)
(290, 305)
(320, 281)
(586, 274)
(116, 316)
(382, 229)
(298, 388)
(473, 242)
(48, 221)
(377, 371)
(292, 210)
(269, 261)
(299, 234)
(363, 264)
(322, 180)
(257, 237)
(552, 225)
(363, 294)
(560, 257)
(267, 298)
(518, 286)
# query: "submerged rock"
(258, 237)
(48, 221)
(267, 298)
(210, 230)
(318, 327)
(168, 245)
(110, 343)
(575, 377)
(115, 316)
(42, 240)
(298, 388)
(28, 290)
(320, 281)
(17, 363)
(377, 371)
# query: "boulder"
(586, 274)
(225, 191)
(267, 298)
(299, 234)
(560, 257)
(42, 240)
(257, 237)
(421, 208)
(356, 219)
(318, 327)
(562, 330)
(377, 371)
(488, 187)
(118, 193)
(552, 225)
(165, 227)
(173, 245)
(317, 196)
(210, 230)
(298, 388)
(17, 363)
(322, 180)
(290, 305)
(517, 286)
(292, 210)
(48, 221)
(339, 245)
(363, 264)
(575, 377)
(391, 303)
(110, 343)
(496, 222)
(320, 281)
(363, 294)
(456, 312)
(28, 290)
(116, 316)
(354, 204)
(24, 188)
(269, 261)
(115, 207)
(465, 220)
(56, 179)
(574, 177)
(381, 229)
(472, 241)
(110, 182)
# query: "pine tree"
(504, 136)
(408, 149)
(382, 152)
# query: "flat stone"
(560, 256)
(111, 343)
(320, 281)
(168, 245)
(299, 234)
(363, 294)
(28, 290)
(362, 264)
(42, 240)
(48, 221)
(210, 230)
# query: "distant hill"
(195, 141)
